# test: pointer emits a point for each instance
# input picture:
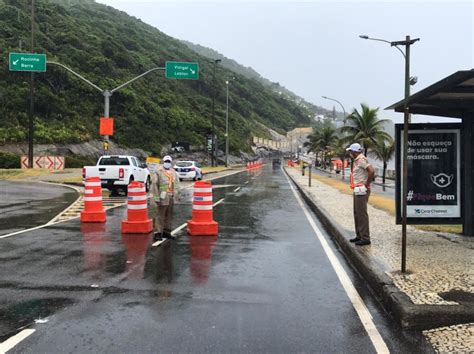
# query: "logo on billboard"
(442, 180)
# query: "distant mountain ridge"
(251, 73)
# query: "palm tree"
(384, 152)
(338, 149)
(365, 127)
(321, 140)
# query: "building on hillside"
(297, 137)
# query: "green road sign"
(27, 62)
(180, 70)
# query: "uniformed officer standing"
(361, 177)
(165, 189)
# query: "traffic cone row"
(137, 221)
(254, 164)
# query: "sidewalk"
(438, 288)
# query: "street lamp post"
(214, 93)
(31, 124)
(406, 121)
(227, 125)
(106, 93)
(344, 124)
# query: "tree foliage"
(365, 127)
(109, 47)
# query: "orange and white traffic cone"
(93, 207)
(137, 221)
(202, 223)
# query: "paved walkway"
(440, 268)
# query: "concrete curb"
(397, 303)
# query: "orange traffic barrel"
(137, 221)
(93, 207)
(202, 223)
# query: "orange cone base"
(209, 228)
(137, 227)
(93, 216)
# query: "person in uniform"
(165, 188)
(361, 176)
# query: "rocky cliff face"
(90, 149)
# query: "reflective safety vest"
(168, 184)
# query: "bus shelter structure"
(452, 97)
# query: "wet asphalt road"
(29, 204)
(264, 285)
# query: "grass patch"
(69, 180)
(386, 204)
(450, 229)
(17, 173)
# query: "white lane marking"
(218, 202)
(174, 232)
(50, 224)
(157, 243)
(179, 228)
(11, 342)
(246, 182)
(70, 206)
(357, 302)
(236, 189)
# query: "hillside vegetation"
(109, 47)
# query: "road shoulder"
(379, 273)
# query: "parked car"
(188, 170)
(117, 172)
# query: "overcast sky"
(313, 48)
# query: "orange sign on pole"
(106, 126)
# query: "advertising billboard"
(434, 174)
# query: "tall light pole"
(343, 109)
(214, 93)
(31, 123)
(406, 121)
(344, 124)
(227, 125)
(106, 93)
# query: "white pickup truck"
(118, 171)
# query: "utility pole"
(227, 125)
(406, 122)
(31, 126)
(214, 93)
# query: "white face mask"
(167, 165)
